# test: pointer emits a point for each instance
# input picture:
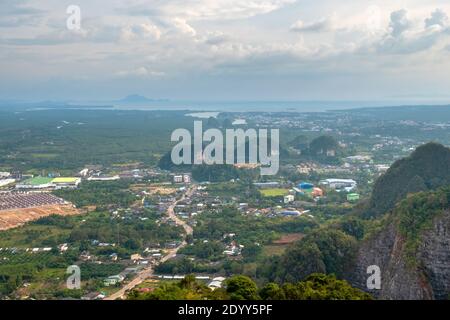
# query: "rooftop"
(65, 180)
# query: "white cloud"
(18, 7)
(182, 26)
(140, 31)
(438, 18)
(404, 37)
(399, 22)
(140, 72)
(141, 39)
(150, 31)
(18, 13)
(216, 38)
(206, 9)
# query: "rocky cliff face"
(427, 278)
(434, 253)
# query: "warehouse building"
(64, 183)
(340, 184)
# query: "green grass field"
(275, 192)
(31, 236)
(274, 250)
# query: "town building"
(63, 183)
(113, 280)
(104, 178)
(289, 198)
(4, 175)
(266, 184)
(6, 182)
(178, 179)
(317, 192)
(352, 197)
(290, 213)
(339, 184)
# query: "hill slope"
(412, 251)
(427, 168)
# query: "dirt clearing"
(16, 217)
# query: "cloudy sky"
(226, 49)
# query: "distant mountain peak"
(135, 98)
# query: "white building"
(382, 167)
(104, 178)
(178, 179)
(84, 172)
(4, 175)
(213, 285)
(216, 283)
(239, 122)
(63, 247)
(113, 280)
(63, 183)
(5, 182)
(340, 184)
(289, 198)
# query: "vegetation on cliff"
(314, 287)
(428, 168)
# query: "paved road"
(148, 272)
(170, 211)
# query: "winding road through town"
(148, 272)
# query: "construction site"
(18, 208)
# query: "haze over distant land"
(227, 50)
(139, 102)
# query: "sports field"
(275, 192)
(37, 181)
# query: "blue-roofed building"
(306, 186)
